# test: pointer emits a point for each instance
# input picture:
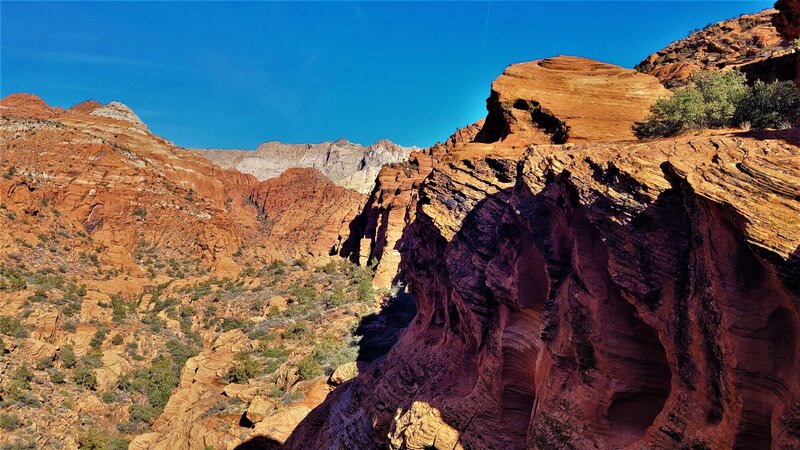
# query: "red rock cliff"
(599, 296)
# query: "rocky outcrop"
(749, 43)
(523, 108)
(546, 101)
(304, 206)
(349, 165)
(374, 234)
(594, 296)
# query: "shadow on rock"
(259, 443)
(380, 331)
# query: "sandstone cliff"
(594, 295)
(391, 206)
(750, 43)
(620, 97)
(304, 206)
(349, 165)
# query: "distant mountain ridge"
(349, 165)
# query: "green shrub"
(84, 376)
(93, 359)
(99, 337)
(770, 105)
(331, 354)
(117, 339)
(722, 99)
(244, 369)
(295, 331)
(44, 363)
(11, 279)
(309, 368)
(156, 381)
(56, 376)
(108, 397)
(9, 422)
(100, 440)
(67, 357)
(337, 297)
(180, 352)
(229, 324)
(12, 327)
(144, 412)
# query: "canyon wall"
(590, 294)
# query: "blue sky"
(232, 75)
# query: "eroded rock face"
(546, 101)
(349, 165)
(749, 43)
(788, 20)
(374, 235)
(302, 205)
(98, 170)
(593, 296)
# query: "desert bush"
(156, 382)
(117, 339)
(331, 353)
(721, 99)
(336, 298)
(244, 369)
(309, 368)
(99, 337)
(180, 352)
(11, 326)
(67, 357)
(770, 105)
(143, 412)
(57, 377)
(9, 422)
(11, 279)
(100, 440)
(230, 323)
(84, 376)
(295, 331)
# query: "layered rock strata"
(601, 295)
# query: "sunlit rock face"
(750, 43)
(349, 165)
(601, 293)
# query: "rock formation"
(348, 165)
(391, 206)
(787, 22)
(127, 189)
(302, 205)
(98, 170)
(558, 84)
(749, 42)
(590, 295)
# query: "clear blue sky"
(233, 75)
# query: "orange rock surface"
(304, 206)
(99, 172)
(592, 296)
(749, 42)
